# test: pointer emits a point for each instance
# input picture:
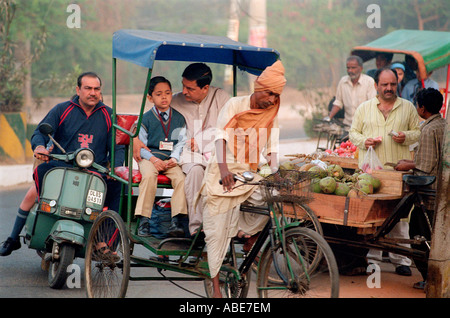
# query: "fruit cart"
(367, 218)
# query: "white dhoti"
(220, 228)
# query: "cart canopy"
(431, 49)
(143, 47)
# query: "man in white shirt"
(352, 90)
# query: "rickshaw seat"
(126, 121)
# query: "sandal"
(242, 237)
(420, 285)
(105, 254)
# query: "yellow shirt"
(369, 122)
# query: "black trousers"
(418, 225)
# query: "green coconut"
(376, 183)
(318, 172)
(327, 185)
(353, 193)
(335, 171)
(287, 165)
(354, 177)
(341, 189)
(365, 186)
(265, 170)
(315, 185)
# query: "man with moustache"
(352, 90)
(82, 122)
(376, 118)
(380, 115)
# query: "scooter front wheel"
(57, 272)
(107, 260)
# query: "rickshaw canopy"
(431, 49)
(143, 47)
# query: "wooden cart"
(363, 222)
(365, 212)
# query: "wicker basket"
(287, 186)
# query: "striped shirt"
(369, 122)
(428, 154)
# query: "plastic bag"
(371, 161)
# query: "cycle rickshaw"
(295, 259)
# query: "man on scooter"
(83, 121)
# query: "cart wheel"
(312, 262)
(107, 260)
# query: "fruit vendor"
(376, 118)
(372, 125)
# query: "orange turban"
(271, 79)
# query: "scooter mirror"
(45, 129)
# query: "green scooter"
(58, 225)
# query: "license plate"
(95, 197)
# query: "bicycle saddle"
(418, 180)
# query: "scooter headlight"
(84, 158)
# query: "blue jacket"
(73, 129)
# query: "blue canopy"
(143, 47)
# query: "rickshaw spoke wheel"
(229, 285)
(107, 260)
(312, 272)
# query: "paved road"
(21, 275)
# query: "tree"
(19, 47)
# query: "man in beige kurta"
(200, 105)
(247, 127)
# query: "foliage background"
(313, 36)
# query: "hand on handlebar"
(40, 152)
(227, 181)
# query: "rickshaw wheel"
(107, 260)
(229, 285)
